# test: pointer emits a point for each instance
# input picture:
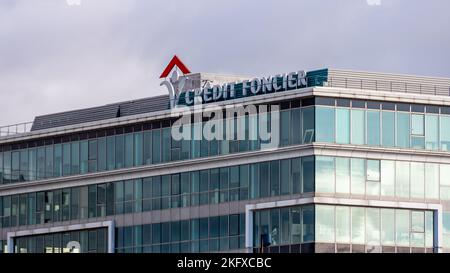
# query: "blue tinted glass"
(324, 124)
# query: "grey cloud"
(55, 57)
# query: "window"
(296, 225)
(165, 144)
(75, 157)
(296, 175)
(342, 126)
(402, 179)
(373, 128)
(147, 153)
(372, 226)
(296, 135)
(254, 181)
(373, 170)
(402, 227)
(308, 174)
(431, 132)
(111, 152)
(445, 181)
(403, 130)
(66, 159)
(417, 180)
(387, 227)
(325, 224)
(138, 149)
(285, 176)
(129, 148)
(342, 224)
(285, 125)
(308, 223)
(84, 157)
(417, 131)
(388, 129)
(285, 232)
(40, 164)
(418, 228)
(358, 125)
(120, 151)
(357, 176)
(101, 157)
(342, 175)
(325, 174)
(48, 161)
(325, 124)
(92, 155)
(445, 133)
(446, 229)
(308, 124)
(264, 179)
(387, 178)
(156, 146)
(274, 178)
(358, 226)
(31, 164)
(432, 178)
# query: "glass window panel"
(308, 174)
(75, 157)
(403, 130)
(138, 149)
(296, 175)
(358, 225)
(417, 221)
(31, 164)
(445, 133)
(387, 178)
(111, 152)
(388, 128)
(308, 124)
(120, 151)
(342, 126)
(342, 175)
(358, 178)
(285, 117)
(254, 181)
(387, 227)
(40, 164)
(84, 157)
(444, 181)
(402, 227)
(373, 170)
(66, 159)
(373, 226)
(285, 232)
(432, 181)
(429, 229)
(325, 124)
(48, 161)
(417, 180)
(402, 179)
(165, 144)
(274, 178)
(296, 225)
(285, 177)
(101, 157)
(129, 149)
(431, 132)
(325, 224)
(325, 174)
(308, 223)
(296, 126)
(417, 125)
(92, 155)
(156, 148)
(264, 179)
(358, 123)
(342, 224)
(147, 153)
(373, 128)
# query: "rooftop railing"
(14, 129)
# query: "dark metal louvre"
(109, 111)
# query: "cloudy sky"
(56, 57)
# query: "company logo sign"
(255, 86)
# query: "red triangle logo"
(175, 62)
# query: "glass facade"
(344, 225)
(210, 234)
(382, 178)
(80, 241)
(211, 186)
